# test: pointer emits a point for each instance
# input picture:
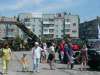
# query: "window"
(67, 20)
(51, 19)
(62, 35)
(74, 31)
(26, 20)
(74, 24)
(56, 35)
(33, 30)
(28, 24)
(67, 25)
(34, 20)
(45, 20)
(46, 25)
(62, 30)
(67, 30)
(51, 35)
(33, 25)
(45, 30)
(51, 30)
(59, 15)
(51, 25)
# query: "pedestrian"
(6, 57)
(69, 55)
(66, 55)
(25, 63)
(61, 53)
(51, 57)
(84, 57)
(44, 53)
(36, 54)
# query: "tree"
(67, 38)
(44, 39)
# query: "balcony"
(48, 22)
(45, 31)
(67, 22)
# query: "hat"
(36, 43)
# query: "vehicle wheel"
(93, 66)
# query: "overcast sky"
(86, 9)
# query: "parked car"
(94, 58)
(94, 53)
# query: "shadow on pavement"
(90, 69)
(45, 68)
(1, 73)
(25, 71)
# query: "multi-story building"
(71, 25)
(8, 30)
(32, 23)
(37, 26)
(60, 25)
(47, 25)
(90, 29)
(26, 19)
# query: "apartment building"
(60, 25)
(8, 30)
(47, 25)
(90, 29)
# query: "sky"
(86, 9)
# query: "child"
(43, 56)
(24, 62)
(44, 53)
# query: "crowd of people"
(41, 53)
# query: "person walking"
(36, 54)
(69, 55)
(84, 57)
(66, 55)
(6, 57)
(44, 53)
(51, 57)
(61, 52)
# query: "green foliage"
(18, 39)
(44, 39)
(67, 38)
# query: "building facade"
(90, 29)
(8, 30)
(60, 25)
(47, 25)
(32, 23)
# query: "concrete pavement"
(61, 69)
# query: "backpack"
(1, 52)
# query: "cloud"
(38, 6)
(58, 5)
(19, 4)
